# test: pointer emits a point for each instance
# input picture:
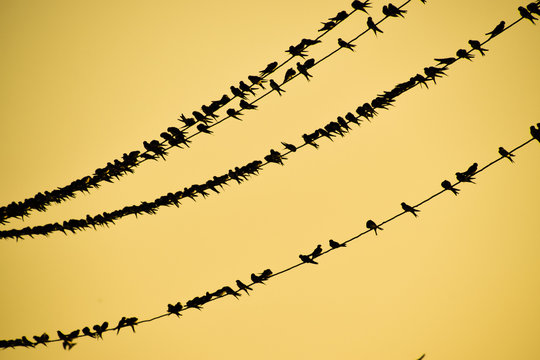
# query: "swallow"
(306, 259)
(472, 169)
(327, 26)
(242, 286)
(229, 291)
(371, 25)
(334, 244)
(448, 186)
(463, 177)
(342, 15)
(234, 113)
(433, 72)
(246, 88)
(477, 45)
(256, 280)
(43, 339)
(225, 99)
(256, 80)
(361, 5)
(276, 87)
(208, 111)
(464, 54)
(351, 118)
(506, 154)
(526, 14)
(266, 274)
(498, 29)
(446, 61)
(342, 43)
(533, 8)
(187, 121)
(343, 124)
(535, 132)
(269, 68)
(297, 50)
(370, 224)
(204, 129)
(392, 11)
(237, 92)
(302, 69)
(86, 331)
(309, 42)
(99, 329)
(289, 74)
(245, 105)
(309, 139)
(289, 147)
(200, 117)
(409, 208)
(317, 252)
(174, 309)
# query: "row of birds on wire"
(176, 308)
(203, 120)
(341, 126)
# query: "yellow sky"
(83, 82)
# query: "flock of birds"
(178, 137)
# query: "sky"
(84, 82)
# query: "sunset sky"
(83, 82)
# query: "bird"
(526, 14)
(289, 74)
(533, 8)
(342, 15)
(327, 26)
(371, 25)
(392, 11)
(257, 80)
(297, 50)
(306, 259)
(464, 54)
(317, 252)
(334, 244)
(477, 45)
(203, 128)
(463, 177)
(246, 88)
(243, 286)
(269, 68)
(370, 224)
(536, 132)
(289, 147)
(302, 69)
(448, 186)
(345, 44)
(506, 154)
(276, 87)
(237, 92)
(174, 309)
(234, 113)
(410, 209)
(472, 169)
(309, 42)
(245, 105)
(361, 5)
(446, 61)
(498, 29)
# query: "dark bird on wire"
(446, 61)
(175, 309)
(297, 50)
(361, 5)
(243, 286)
(342, 15)
(373, 26)
(329, 25)
(498, 29)
(506, 154)
(472, 169)
(289, 147)
(302, 69)
(392, 11)
(309, 42)
(246, 88)
(289, 74)
(237, 92)
(464, 54)
(370, 224)
(334, 244)
(536, 132)
(410, 209)
(245, 105)
(447, 185)
(533, 8)
(317, 252)
(99, 329)
(41, 339)
(256, 80)
(234, 113)
(86, 331)
(345, 44)
(526, 14)
(276, 87)
(269, 68)
(306, 259)
(477, 45)
(187, 121)
(204, 129)
(463, 177)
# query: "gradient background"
(83, 82)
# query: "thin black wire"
(6, 233)
(72, 194)
(292, 267)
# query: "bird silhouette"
(289, 147)
(464, 54)
(289, 74)
(204, 129)
(506, 154)
(234, 113)
(327, 26)
(257, 80)
(410, 209)
(297, 50)
(371, 25)
(535, 133)
(245, 105)
(317, 252)
(498, 29)
(243, 286)
(447, 185)
(370, 224)
(174, 309)
(471, 170)
(477, 45)
(533, 8)
(392, 11)
(309, 42)
(342, 43)
(446, 61)
(463, 177)
(237, 92)
(306, 259)
(526, 14)
(302, 69)
(342, 15)
(334, 244)
(246, 88)
(269, 68)
(276, 87)
(361, 5)
(99, 329)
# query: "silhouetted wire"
(12, 343)
(24, 211)
(151, 207)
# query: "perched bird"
(256, 80)
(463, 177)
(477, 45)
(506, 154)
(234, 113)
(370, 224)
(392, 11)
(361, 5)
(526, 14)
(269, 68)
(204, 128)
(297, 50)
(306, 259)
(345, 44)
(373, 26)
(309, 42)
(289, 74)
(410, 209)
(175, 309)
(187, 121)
(245, 105)
(536, 132)
(472, 169)
(302, 69)
(317, 252)
(237, 92)
(464, 54)
(448, 186)
(334, 244)
(256, 279)
(289, 147)
(276, 87)
(533, 8)
(498, 29)
(327, 26)
(86, 331)
(246, 88)
(243, 286)
(99, 329)
(446, 61)
(342, 15)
